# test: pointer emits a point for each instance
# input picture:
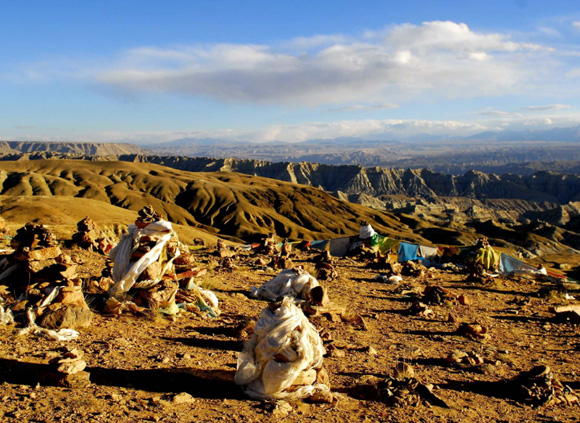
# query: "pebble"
(183, 398)
(281, 410)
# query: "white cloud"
(499, 113)
(548, 107)
(365, 107)
(442, 58)
(551, 32)
(576, 25)
(451, 36)
(401, 129)
(307, 43)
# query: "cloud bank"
(398, 64)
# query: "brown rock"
(38, 266)
(463, 300)
(75, 381)
(151, 272)
(69, 271)
(319, 296)
(403, 371)
(71, 295)
(281, 410)
(183, 398)
(38, 254)
(66, 317)
(322, 377)
(322, 397)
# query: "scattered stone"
(404, 390)
(434, 294)
(183, 398)
(281, 409)
(473, 331)
(464, 359)
(419, 309)
(539, 387)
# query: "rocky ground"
(153, 367)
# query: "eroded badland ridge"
(223, 201)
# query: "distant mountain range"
(487, 151)
(89, 148)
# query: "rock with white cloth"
(284, 357)
(137, 251)
(295, 283)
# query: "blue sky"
(152, 71)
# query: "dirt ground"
(140, 365)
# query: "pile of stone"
(539, 387)
(418, 308)
(149, 269)
(414, 269)
(477, 273)
(89, 237)
(143, 262)
(67, 370)
(403, 389)
(325, 264)
(295, 283)
(222, 250)
(284, 259)
(45, 280)
(464, 360)
(474, 331)
(383, 262)
(434, 294)
(268, 246)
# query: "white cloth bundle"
(295, 283)
(126, 273)
(283, 345)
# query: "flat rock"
(38, 254)
(183, 398)
(67, 317)
(71, 367)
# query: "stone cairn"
(47, 278)
(89, 237)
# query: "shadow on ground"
(209, 384)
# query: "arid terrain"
(153, 367)
(140, 366)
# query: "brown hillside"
(62, 213)
(227, 204)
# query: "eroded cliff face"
(521, 211)
(356, 180)
(376, 181)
